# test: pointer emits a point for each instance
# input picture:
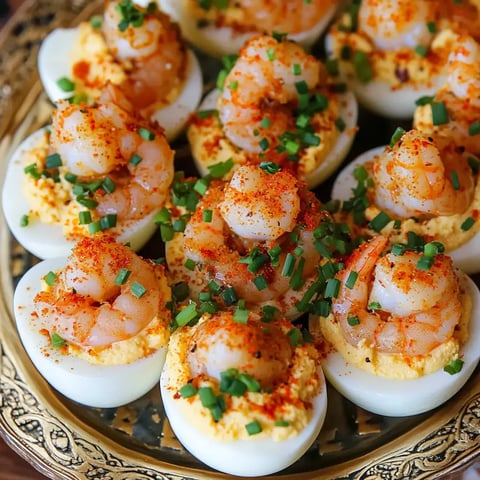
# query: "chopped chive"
(398, 249)
(397, 134)
(122, 276)
(32, 170)
(374, 306)
(454, 366)
(166, 232)
(207, 215)
(189, 264)
(266, 122)
(50, 278)
(86, 202)
(96, 21)
(301, 87)
(431, 249)
(24, 220)
(70, 177)
(201, 186)
(340, 124)
(474, 128)
(146, 134)
(233, 85)
(353, 320)
(454, 179)
(295, 336)
(467, 224)
(181, 291)
(253, 428)
(56, 340)
(85, 217)
(260, 282)
(108, 185)
(425, 100)
(65, 84)
(236, 388)
(296, 69)
(202, 114)
(270, 167)
(425, 262)
(264, 144)
(135, 159)
(229, 296)
(207, 396)
(53, 161)
(331, 65)
(351, 280)
(439, 113)
(138, 289)
(188, 390)
(296, 280)
(186, 315)
(271, 54)
(421, 50)
(108, 221)
(281, 423)
(432, 27)
(214, 287)
(474, 164)
(269, 312)
(218, 170)
(241, 315)
(332, 288)
(288, 265)
(179, 225)
(251, 384)
(362, 66)
(380, 221)
(94, 227)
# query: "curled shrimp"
(88, 306)
(417, 310)
(420, 177)
(220, 343)
(95, 142)
(150, 49)
(395, 24)
(255, 212)
(261, 90)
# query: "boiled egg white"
(99, 386)
(47, 240)
(348, 112)
(248, 458)
(219, 41)
(54, 63)
(398, 398)
(466, 257)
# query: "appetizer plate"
(68, 441)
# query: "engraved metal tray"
(65, 440)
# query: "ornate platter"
(69, 441)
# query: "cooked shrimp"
(99, 141)
(260, 91)
(420, 177)
(291, 16)
(418, 309)
(255, 212)
(88, 306)
(392, 25)
(149, 47)
(220, 343)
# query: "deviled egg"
(275, 101)
(95, 324)
(245, 397)
(135, 47)
(401, 338)
(96, 168)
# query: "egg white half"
(93, 385)
(248, 458)
(379, 97)
(47, 240)
(220, 41)
(398, 398)
(53, 64)
(348, 112)
(466, 257)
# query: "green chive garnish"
(454, 366)
(474, 128)
(351, 280)
(353, 321)
(186, 315)
(122, 276)
(146, 134)
(467, 224)
(138, 289)
(439, 113)
(397, 134)
(380, 221)
(188, 390)
(253, 428)
(56, 340)
(24, 220)
(53, 161)
(65, 84)
(207, 215)
(362, 66)
(135, 160)
(50, 278)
